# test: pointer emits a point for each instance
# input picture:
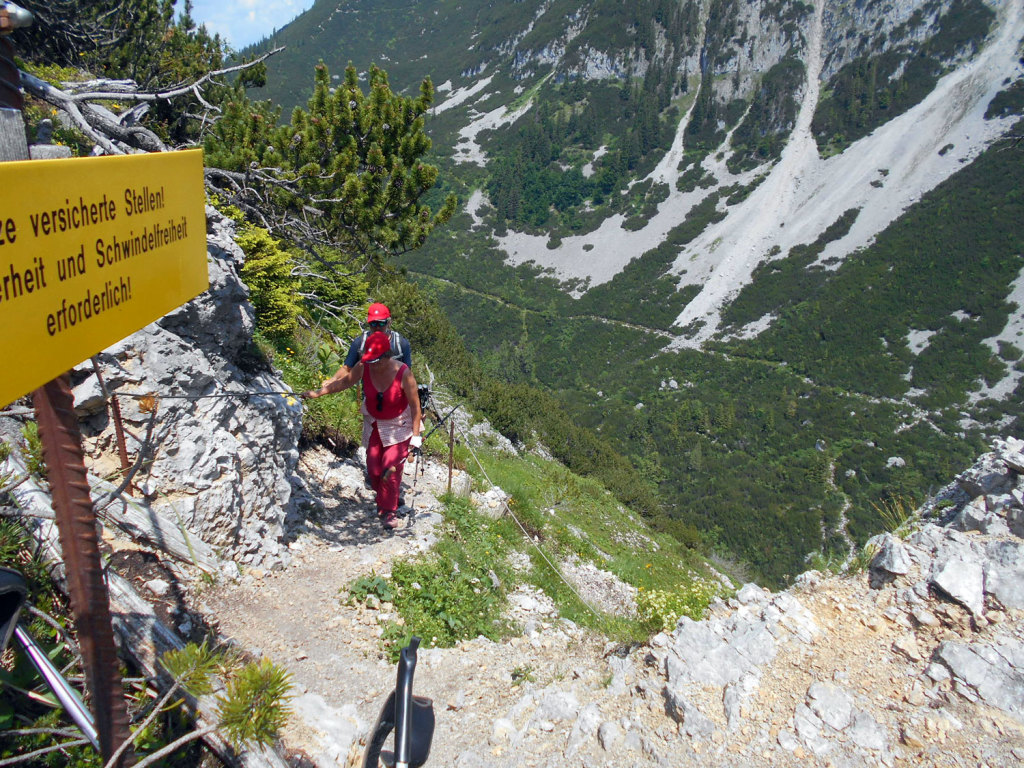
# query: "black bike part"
(422, 730)
(379, 734)
(411, 717)
(403, 701)
(13, 593)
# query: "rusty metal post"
(451, 452)
(115, 412)
(79, 542)
(65, 466)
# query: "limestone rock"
(224, 458)
(993, 673)
(892, 555)
(963, 580)
(831, 704)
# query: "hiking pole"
(412, 502)
(442, 421)
(13, 595)
(411, 717)
(65, 694)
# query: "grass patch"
(456, 592)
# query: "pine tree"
(346, 172)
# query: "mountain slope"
(770, 250)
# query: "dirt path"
(297, 618)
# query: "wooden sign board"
(92, 250)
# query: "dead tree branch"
(121, 134)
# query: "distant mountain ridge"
(765, 75)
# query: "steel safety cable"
(526, 533)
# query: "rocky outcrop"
(920, 659)
(224, 451)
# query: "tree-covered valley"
(854, 364)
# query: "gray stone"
(558, 705)
(808, 580)
(963, 581)
(1004, 572)
(866, 733)
(937, 672)
(158, 587)
(586, 726)
(906, 646)
(472, 759)
(695, 724)
(48, 151)
(1000, 503)
(633, 740)
(717, 652)
(1015, 521)
(988, 475)
(1011, 451)
(892, 556)
(337, 728)
(609, 735)
(992, 673)
(751, 594)
(831, 704)
(622, 672)
(929, 538)
(225, 468)
(732, 698)
(977, 516)
(808, 727)
(788, 741)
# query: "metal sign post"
(79, 543)
(62, 451)
(91, 250)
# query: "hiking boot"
(389, 520)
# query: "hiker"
(391, 418)
(378, 318)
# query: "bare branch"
(117, 90)
(52, 95)
(119, 134)
(40, 752)
(140, 459)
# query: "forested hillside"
(638, 178)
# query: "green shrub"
(663, 608)
(273, 290)
(454, 593)
(32, 447)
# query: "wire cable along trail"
(150, 401)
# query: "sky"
(242, 22)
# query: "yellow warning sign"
(91, 250)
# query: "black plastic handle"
(403, 702)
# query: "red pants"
(378, 461)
